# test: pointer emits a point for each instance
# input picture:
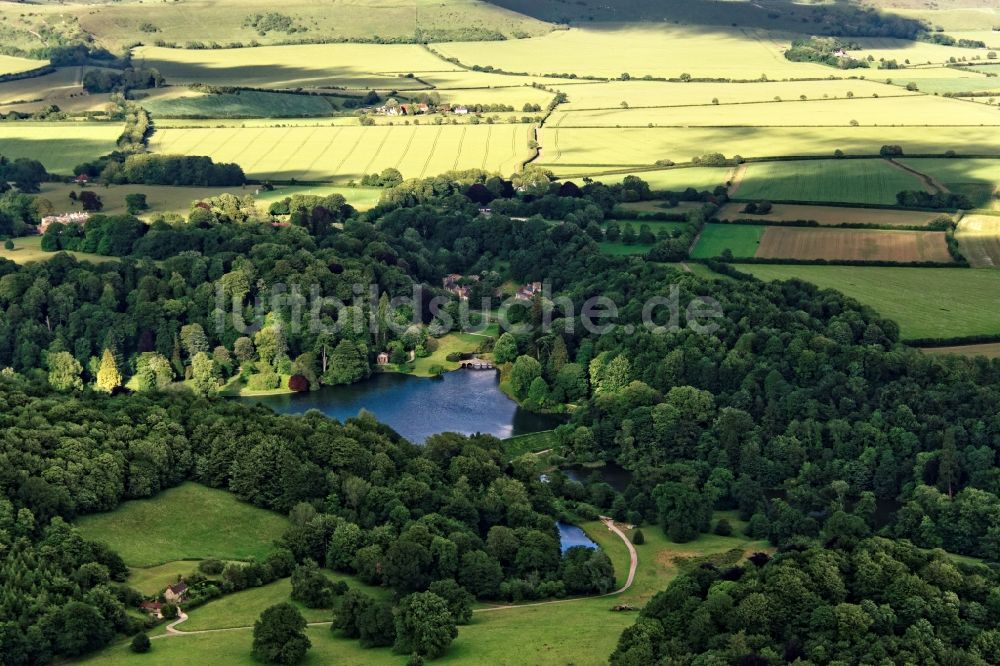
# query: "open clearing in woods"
(832, 215)
(347, 153)
(853, 244)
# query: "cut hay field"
(241, 104)
(832, 215)
(843, 181)
(347, 153)
(190, 521)
(16, 65)
(360, 66)
(59, 146)
(743, 240)
(223, 21)
(926, 302)
(920, 110)
(853, 244)
(29, 248)
(638, 93)
(979, 179)
(979, 238)
(609, 146)
(662, 50)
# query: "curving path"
(633, 564)
(171, 629)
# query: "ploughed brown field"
(832, 215)
(853, 244)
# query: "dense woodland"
(801, 410)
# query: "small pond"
(571, 535)
(464, 401)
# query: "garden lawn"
(740, 239)
(152, 580)
(927, 303)
(190, 521)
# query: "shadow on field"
(58, 154)
(842, 17)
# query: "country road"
(172, 631)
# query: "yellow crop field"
(979, 238)
(918, 53)
(643, 147)
(346, 153)
(15, 65)
(611, 94)
(922, 110)
(380, 66)
(663, 50)
(59, 146)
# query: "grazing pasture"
(347, 153)
(853, 244)
(610, 147)
(640, 94)
(843, 181)
(917, 53)
(925, 302)
(159, 198)
(60, 146)
(660, 50)
(918, 110)
(190, 521)
(979, 238)
(832, 215)
(742, 240)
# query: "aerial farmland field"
(296, 66)
(979, 179)
(833, 215)
(854, 244)
(907, 110)
(844, 181)
(347, 153)
(609, 146)
(641, 94)
(979, 238)
(15, 65)
(664, 51)
(59, 146)
(742, 240)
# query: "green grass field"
(846, 181)
(58, 146)
(740, 239)
(979, 179)
(190, 521)
(29, 248)
(925, 302)
(347, 153)
(673, 180)
(241, 104)
(152, 580)
(453, 342)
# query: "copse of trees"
(857, 602)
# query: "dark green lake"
(464, 401)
